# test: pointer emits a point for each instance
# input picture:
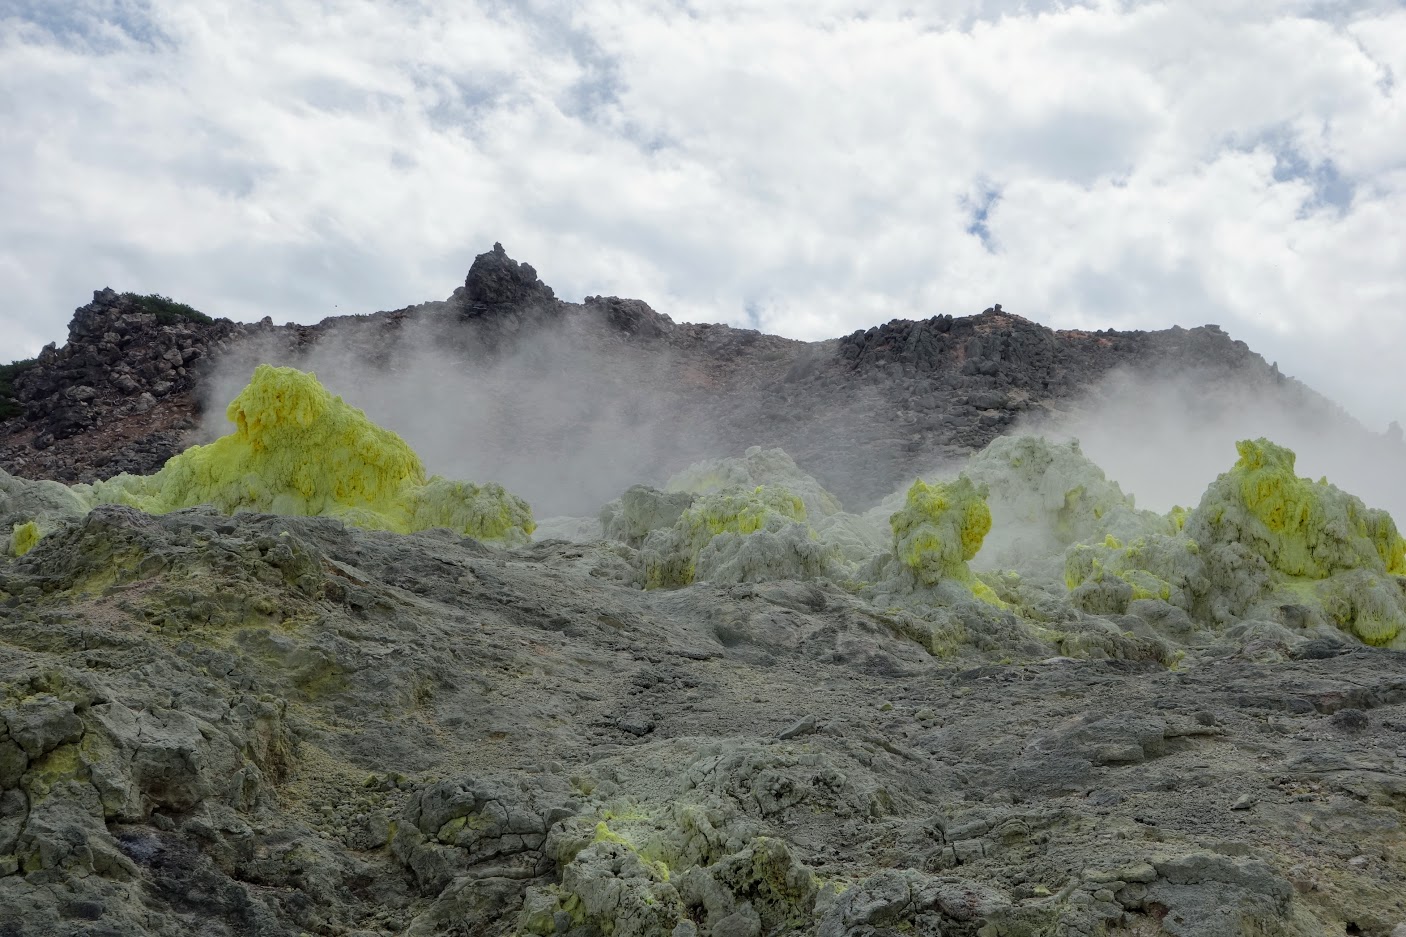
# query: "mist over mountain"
(576, 401)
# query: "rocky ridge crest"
(861, 412)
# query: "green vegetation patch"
(9, 406)
(166, 309)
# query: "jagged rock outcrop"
(1014, 352)
(495, 279)
(119, 396)
(948, 386)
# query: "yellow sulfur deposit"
(1045, 496)
(738, 512)
(940, 528)
(1301, 527)
(486, 512)
(671, 555)
(297, 449)
(1261, 539)
(769, 468)
(23, 537)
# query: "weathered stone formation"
(496, 280)
(118, 396)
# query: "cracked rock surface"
(270, 725)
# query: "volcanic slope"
(577, 401)
(816, 723)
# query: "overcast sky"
(807, 167)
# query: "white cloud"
(814, 167)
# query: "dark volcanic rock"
(631, 316)
(862, 413)
(118, 396)
(495, 279)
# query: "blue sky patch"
(98, 25)
(1330, 187)
(978, 211)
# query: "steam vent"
(866, 636)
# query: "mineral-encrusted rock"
(640, 510)
(1263, 544)
(279, 725)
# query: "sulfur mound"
(735, 536)
(792, 552)
(299, 450)
(1300, 527)
(1045, 496)
(632, 516)
(30, 510)
(772, 468)
(1261, 541)
(940, 528)
(1104, 578)
(23, 537)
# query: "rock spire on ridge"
(497, 279)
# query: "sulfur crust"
(672, 555)
(299, 450)
(1307, 528)
(1259, 531)
(23, 537)
(769, 468)
(938, 531)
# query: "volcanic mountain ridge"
(293, 684)
(861, 413)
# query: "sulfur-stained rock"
(41, 724)
(671, 556)
(1260, 539)
(641, 510)
(940, 529)
(1045, 496)
(482, 828)
(758, 467)
(31, 509)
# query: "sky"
(805, 167)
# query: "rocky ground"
(265, 725)
(269, 725)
